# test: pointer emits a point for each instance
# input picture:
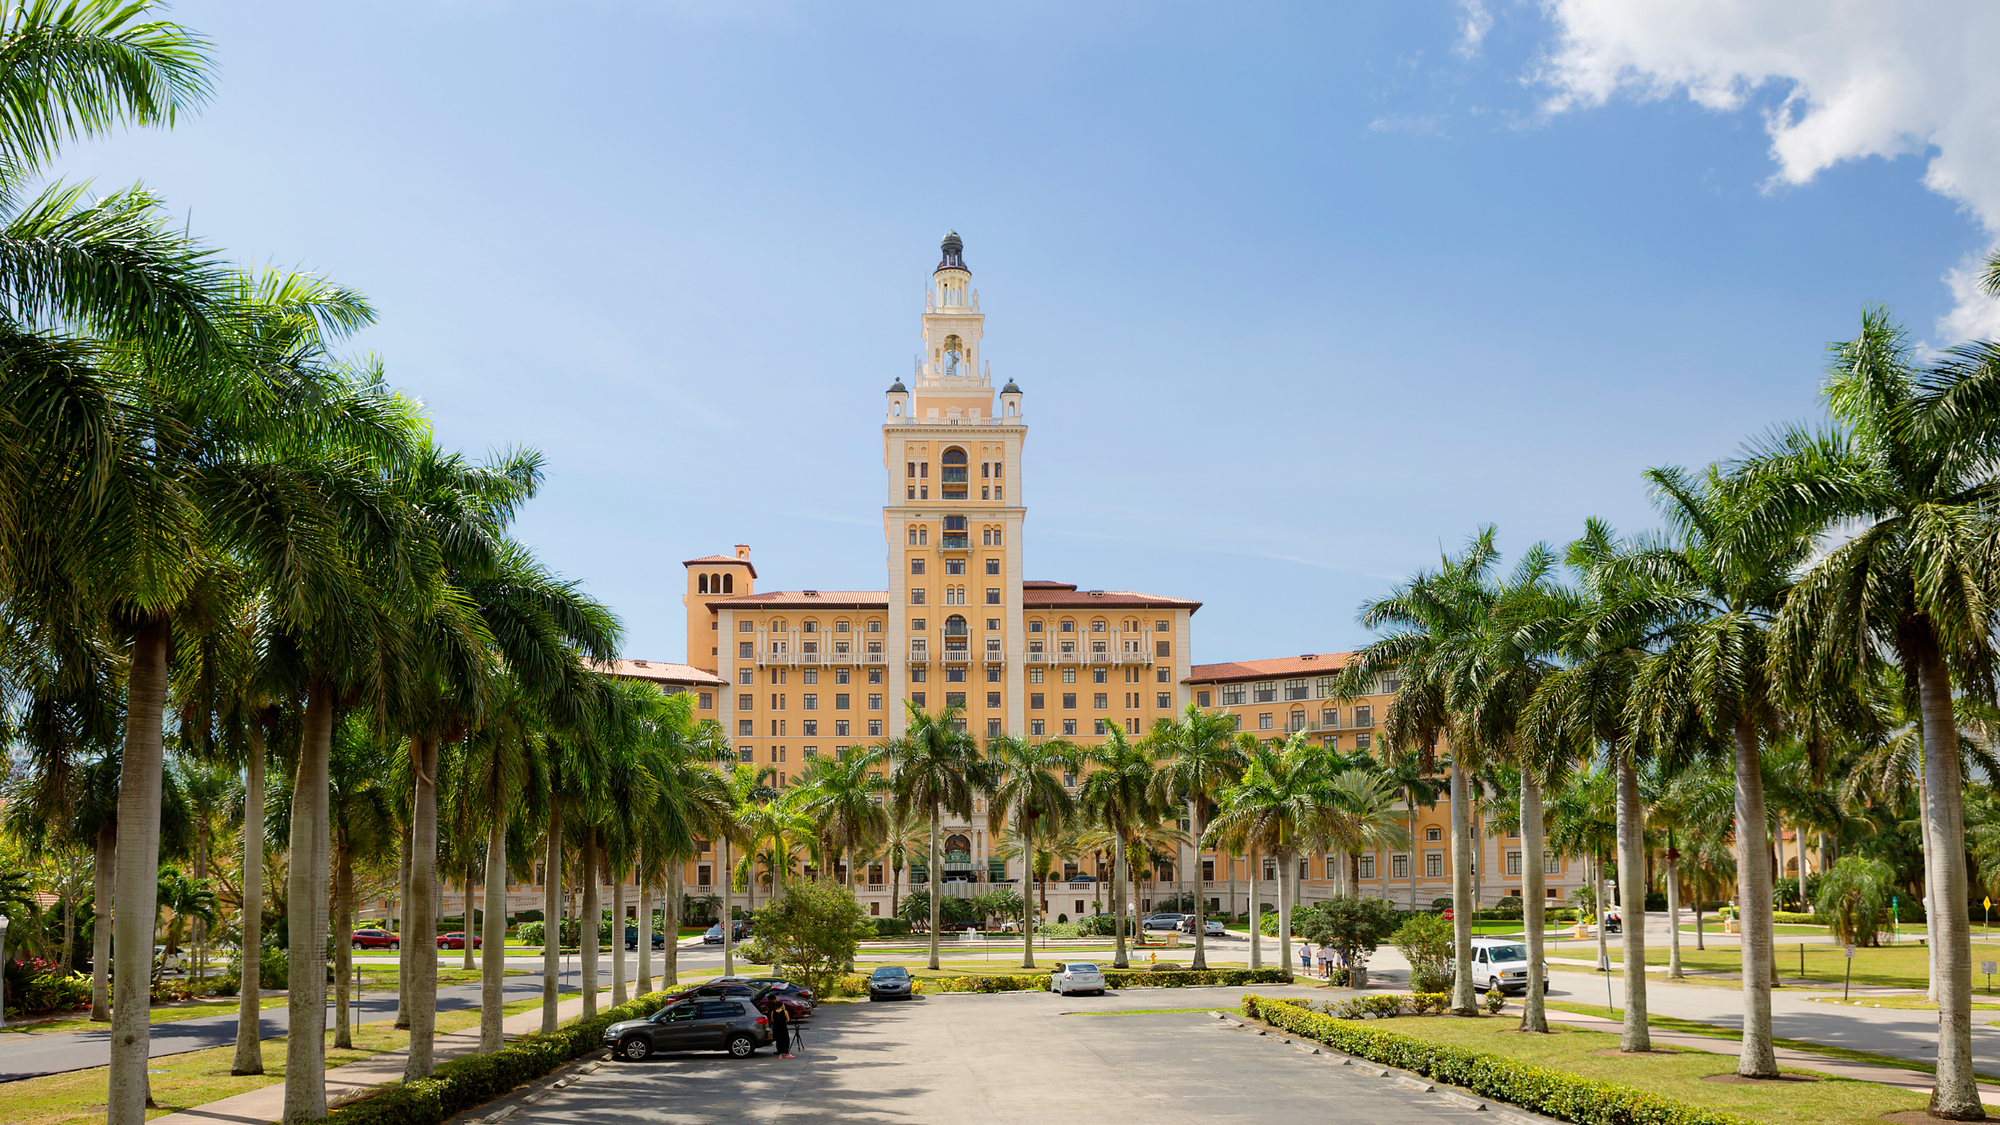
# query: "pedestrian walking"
(781, 1029)
(1306, 959)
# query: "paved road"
(997, 1060)
(27, 1056)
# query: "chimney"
(743, 551)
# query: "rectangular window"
(1399, 867)
(746, 650)
(954, 699)
(809, 701)
(777, 701)
(1513, 863)
(1433, 865)
(1362, 741)
(746, 626)
(992, 728)
(1295, 689)
(1037, 727)
(993, 699)
(1101, 700)
(1069, 701)
(954, 675)
(702, 875)
(1368, 866)
(1364, 716)
(1232, 696)
(1265, 693)
(746, 702)
(1550, 864)
(746, 727)
(874, 701)
(707, 700)
(916, 566)
(1069, 675)
(1201, 699)
(1329, 716)
(743, 753)
(1100, 726)
(840, 728)
(954, 566)
(992, 595)
(777, 728)
(917, 596)
(840, 701)
(1132, 727)
(809, 726)
(917, 698)
(910, 469)
(1163, 700)
(1034, 701)
(874, 728)
(992, 566)
(1163, 649)
(1264, 721)
(746, 676)
(993, 675)
(918, 675)
(1069, 726)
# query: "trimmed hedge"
(890, 927)
(1116, 978)
(1542, 1089)
(1385, 1005)
(1786, 918)
(463, 1083)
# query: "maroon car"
(796, 1007)
(456, 940)
(375, 939)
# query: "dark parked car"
(763, 997)
(632, 939)
(374, 939)
(714, 934)
(890, 982)
(456, 940)
(727, 1023)
(779, 985)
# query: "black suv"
(707, 1024)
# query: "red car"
(456, 940)
(374, 939)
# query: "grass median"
(1888, 966)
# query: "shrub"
(1511, 907)
(1097, 925)
(1495, 1000)
(1385, 1006)
(533, 933)
(1787, 918)
(1116, 978)
(1559, 1094)
(1440, 905)
(1426, 941)
(891, 927)
(225, 986)
(273, 969)
(1060, 929)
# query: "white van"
(1503, 961)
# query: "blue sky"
(1298, 293)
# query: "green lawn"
(1891, 966)
(1710, 927)
(1679, 1074)
(181, 1082)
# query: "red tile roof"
(1057, 595)
(1324, 663)
(710, 560)
(808, 599)
(659, 672)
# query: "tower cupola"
(952, 280)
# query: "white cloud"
(1860, 78)
(1473, 24)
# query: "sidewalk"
(267, 1104)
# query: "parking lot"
(1019, 1057)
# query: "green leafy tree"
(814, 931)
(1352, 926)
(1855, 896)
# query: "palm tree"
(362, 819)
(1030, 798)
(743, 789)
(1905, 474)
(938, 770)
(907, 836)
(842, 798)
(1120, 795)
(1361, 814)
(1431, 621)
(1203, 754)
(1279, 808)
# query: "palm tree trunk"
(493, 955)
(1699, 943)
(403, 939)
(552, 921)
(1673, 911)
(100, 935)
(1256, 912)
(618, 995)
(1118, 958)
(1956, 1096)
(1028, 892)
(1200, 961)
(138, 867)
(422, 940)
(1632, 893)
(645, 929)
(586, 931)
(467, 926)
(343, 948)
(1753, 883)
(1930, 902)
(728, 910)
(305, 915)
(1411, 793)
(670, 926)
(1534, 1017)
(931, 876)
(1287, 867)
(1462, 1000)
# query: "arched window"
(952, 471)
(729, 583)
(954, 626)
(701, 585)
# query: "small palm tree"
(1202, 754)
(938, 769)
(1121, 796)
(1030, 800)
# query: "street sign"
(1988, 968)
(1850, 953)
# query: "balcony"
(1037, 656)
(1315, 725)
(957, 654)
(956, 541)
(920, 654)
(874, 655)
(994, 655)
(1131, 656)
(810, 659)
(1067, 655)
(840, 655)
(776, 658)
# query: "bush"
(273, 969)
(1116, 978)
(1787, 918)
(1060, 929)
(463, 1083)
(1440, 905)
(1097, 925)
(891, 927)
(1495, 1000)
(533, 933)
(1559, 1094)
(34, 986)
(1385, 1006)
(1510, 907)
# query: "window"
(1163, 700)
(1431, 835)
(875, 728)
(954, 675)
(954, 699)
(702, 876)
(1264, 721)
(1034, 675)
(1513, 863)
(993, 699)
(746, 676)
(1037, 727)
(1201, 699)
(1364, 716)
(1368, 866)
(874, 675)
(1433, 865)
(707, 700)
(952, 474)
(1100, 726)
(777, 701)
(1162, 675)
(1066, 627)
(1034, 626)
(992, 728)
(1550, 864)
(954, 566)
(1362, 741)
(1100, 675)
(917, 675)
(993, 673)
(992, 595)
(746, 626)
(1295, 689)
(1132, 727)
(1399, 867)
(809, 726)
(1102, 701)
(1069, 701)
(1265, 693)
(840, 675)
(809, 701)
(1069, 675)
(917, 596)
(874, 626)
(1232, 696)
(743, 753)
(840, 701)
(916, 624)
(777, 728)
(746, 702)
(1163, 649)
(746, 650)
(1329, 716)
(810, 675)
(874, 701)
(1034, 701)
(1069, 726)
(917, 698)
(746, 727)
(840, 728)
(992, 566)
(916, 566)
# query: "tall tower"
(953, 518)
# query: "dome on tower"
(897, 388)
(1010, 388)
(954, 253)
